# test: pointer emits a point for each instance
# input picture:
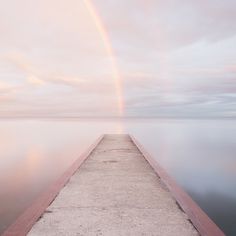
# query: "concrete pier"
(114, 192)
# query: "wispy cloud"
(171, 24)
(176, 57)
(36, 77)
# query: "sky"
(155, 58)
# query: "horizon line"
(117, 117)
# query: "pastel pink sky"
(175, 58)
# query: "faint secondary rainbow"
(108, 46)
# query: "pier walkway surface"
(114, 192)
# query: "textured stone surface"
(114, 192)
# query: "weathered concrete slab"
(114, 192)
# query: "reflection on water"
(34, 153)
(199, 154)
(221, 207)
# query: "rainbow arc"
(110, 52)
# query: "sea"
(200, 154)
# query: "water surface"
(198, 154)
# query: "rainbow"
(108, 46)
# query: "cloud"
(179, 105)
(38, 77)
(175, 57)
(168, 24)
(35, 80)
(54, 94)
(201, 100)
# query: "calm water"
(199, 154)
